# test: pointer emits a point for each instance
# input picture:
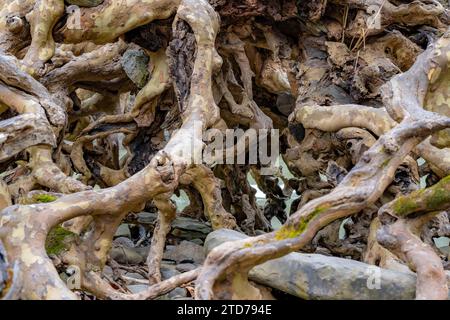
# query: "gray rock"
(186, 251)
(185, 267)
(286, 103)
(445, 250)
(188, 224)
(187, 235)
(123, 241)
(168, 272)
(168, 264)
(85, 3)
(314, 276)
(127, 255)
(134, 275)
(170, 247)
(147, 217)
(137, 288)
(182, 227)
(177, 293)
(123, 231)
(198, 241)
(108, 271)
(135, 65)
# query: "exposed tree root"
(402, 236)
(166, 214)
(28, 248)
(228, 264)
(375, 170)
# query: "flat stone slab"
(315, 276)
(182, 227)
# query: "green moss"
(439, 197)
(44, 198)
(405, 205)
(385, 163)
(58, 240)
(293, 231)
(289, 232)
(434, 198)
(71, 137)
(248, 245)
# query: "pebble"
(185, 267)
(134, 275)
(137, 288)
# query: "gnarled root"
(108, 205)
(229, 263)
(364, 184)
(42, 20)
(24, 228)
(204, 181)
(166, 214)
(400, 233)
(110, 20)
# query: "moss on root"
(405, 205)
(44, 198)
(434, 198)
(58, 240)
(37, 198)
(440, 195)
(293, 231)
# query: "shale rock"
(135, 65)
(186, 251)
(182, 227)
(314, 276)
